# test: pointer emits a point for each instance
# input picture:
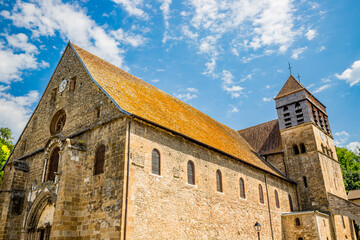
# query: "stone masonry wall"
(313, 197)
(89, 206)
(80, 107)
(313, 225)
(167, 207)
(330, 166)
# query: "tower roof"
(291, 86)
(140, 99)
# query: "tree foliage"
(6, 145)
(350, 167)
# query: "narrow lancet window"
(242, 188)
(53, 164)
(155, 165)
(296, 149)
(191, 172)
(219, 186)
(291, 204)
(99, 160)
(261, 194)
(302, 148)
(305, 182)
(277, 202)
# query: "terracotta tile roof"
(264, 138)
(291, 85)
(144, 100)
(354, 194)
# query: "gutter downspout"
(127, 177)
(267, 195)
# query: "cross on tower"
(299, 77)
(290, 68)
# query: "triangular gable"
(134, 96)
(46, 112)
(291, 86)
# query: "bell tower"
(308, 145)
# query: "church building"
(106, 155)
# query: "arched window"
(285, 109)
(297, 105)
(297, 222)
(300, 238)
(191, 172)
(305, 182)
(323, 148)
(53, 164)
(155, 164)
(261, 194)
(302, 148)
(99, 160)
(291, 204)
(328, 151)
(58, 122)
(242, 188)
(296, 149)
(277, 199)
(219, 186)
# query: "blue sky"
(227, 58)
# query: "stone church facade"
(107, 156)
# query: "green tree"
(350, 167)
(6, 145)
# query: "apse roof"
(264, 138)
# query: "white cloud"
(187, 94)
(247, 77)
(268, 86)
(311, 34)
(310, 85)
(325, 80)
(322, 48)
(155, 80)
(20, 108)
(229, 85)
(133, 7)
(259, 25)
(192, 90)
(233, 109)
(210, 67)
(49, 17)
(297, 52)
(20, 42)
(12, 64)
(188, 33)
(354, 146)
(341, 138)
(266, 99)
(352, 74)
(132, 39)
(165, 8)
(227, 77)
(322, 88)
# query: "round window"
(58, 122)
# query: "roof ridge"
(258, 125)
